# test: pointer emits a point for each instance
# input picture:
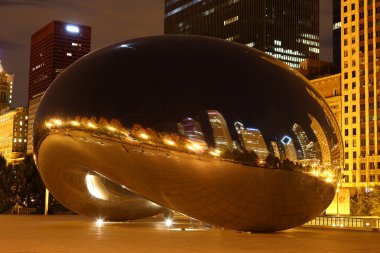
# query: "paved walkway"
(53, 234)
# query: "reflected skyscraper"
(290, 150)
(252, 140)
(322, 140)
(222, 137)
(191, 129)
(276, 151)
(302, 139)
(307, 146)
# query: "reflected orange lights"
(196, 146)
(57, 122)
(91, 125)
(215, 152)
(144, 136)
(48, 124)
(327, 175)
(169, 142)
(111, 128)
(74, 123)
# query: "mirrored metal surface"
(215, 130)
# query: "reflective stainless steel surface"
(215, 130)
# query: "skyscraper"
(360, 91)
(222, 137)
(287, 30)
(53, 48)
(6, 88)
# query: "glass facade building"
(287, 30)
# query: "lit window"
(69, 54)
(251, 44)
(231, 20)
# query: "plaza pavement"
(58, 234)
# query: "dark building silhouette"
(287, 30)
(336, 33)
(313, 69)
(53, 48)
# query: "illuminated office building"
(6, 88)
(191, 129)
(13, 133)
(222, 137)
(360, 44)
(54, 48)
(287, 30)
(290, 151)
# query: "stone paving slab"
(53, 234)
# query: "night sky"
(111, 21)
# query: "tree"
(366, 203)
(21, 184)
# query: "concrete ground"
(53, 234)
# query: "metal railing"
(362, 223)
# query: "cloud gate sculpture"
(215, 130)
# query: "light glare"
(168, 222)
(99, 222)
(72, 28)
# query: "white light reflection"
(168, 223)
(96, 188)
(99, 222)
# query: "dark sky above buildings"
(111, 21)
